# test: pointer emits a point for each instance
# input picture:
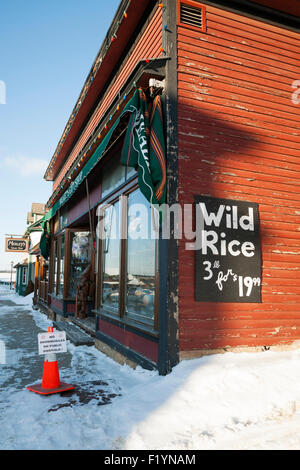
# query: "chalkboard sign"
(16, 245)
(227, 252)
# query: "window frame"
(67, 262)
(56, 257)
(129, 315)
(115, 312)
(120, 315)
(24, 275)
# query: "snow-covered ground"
(229, 401)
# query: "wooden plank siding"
(238, 138)
(148, 46)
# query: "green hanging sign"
(144, 146)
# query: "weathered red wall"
(148, 46)
(239, 139)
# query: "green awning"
(45, 238)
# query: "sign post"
(52, 343)
(228, 261)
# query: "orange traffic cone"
(50, 374)
(50, 382)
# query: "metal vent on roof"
(190, 15)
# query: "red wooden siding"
(238, 134)
(71, 308)
(148, 46)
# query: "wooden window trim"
(56, 244)
(24, 275)
(67, 263)
(67, 257)
(58, 247)
(196, 5)
(99, 284)
(53, 254)
(123, 247)
(128, 319)
(109, 199)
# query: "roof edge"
(118, 20)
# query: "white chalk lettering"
(212, 218)
(218, 245)
(246, 222)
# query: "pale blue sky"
(46, 50)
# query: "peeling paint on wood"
(238, 137)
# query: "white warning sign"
(54, 343)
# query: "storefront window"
(111, 257)
(55, 263)
(46, 270)
(58, 271)
(24, 277)
(63, 219)
(115, 175)
(61, 266)
(128, 260)
(140, 262)
(80, 259)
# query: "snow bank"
(206, 399)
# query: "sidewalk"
(60, 421)
(23, 364)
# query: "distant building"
(21, 277)
(25, 270)
(36, 214)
